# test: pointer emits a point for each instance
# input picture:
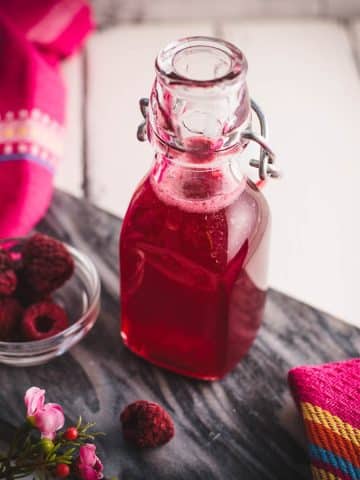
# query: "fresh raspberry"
(26, 295)
(5, 261)
(46, 264)
(43, 320)
(10, 317)
(146, 424)
(8, 279)
(8, 282)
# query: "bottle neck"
(199, 109)
(199, 104)
(197, 187)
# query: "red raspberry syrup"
(193, 253)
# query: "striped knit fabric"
(328, 397)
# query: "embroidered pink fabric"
(35, 35)
(328, 397)
(334, 387)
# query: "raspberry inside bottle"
(194, 241)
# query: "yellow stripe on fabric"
(320, 474)
(48, 135)
(315, 473)
(323, 417)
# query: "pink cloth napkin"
(328, 397)
(35, 35)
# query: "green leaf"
(56, 448)
(87, 426)
(78, 425)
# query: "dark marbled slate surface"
(243, 427)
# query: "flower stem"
(17, 471)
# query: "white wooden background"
(304, 73)
(111, 12)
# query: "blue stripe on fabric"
(327, 456)
(26, 156)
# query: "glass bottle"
(194, 241)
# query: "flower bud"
(47, 445)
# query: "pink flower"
(88, 465)
(34, 400)
(46, 417)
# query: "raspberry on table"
(47, 265)
(8, 278)
(43, 320)
(146, 424)
(10, 317)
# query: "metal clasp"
(141, 131)
(265, 164)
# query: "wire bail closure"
(265, 164)
(144, 109)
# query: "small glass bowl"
(79, 296)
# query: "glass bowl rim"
(38, 346)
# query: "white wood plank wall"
(70, 173)
(120, 71)
(304, 76)
(112, 12)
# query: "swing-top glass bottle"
(194, 242)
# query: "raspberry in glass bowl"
(51, 302)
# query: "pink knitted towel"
(328, 397)
(34, 36)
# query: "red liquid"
(193, 282)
